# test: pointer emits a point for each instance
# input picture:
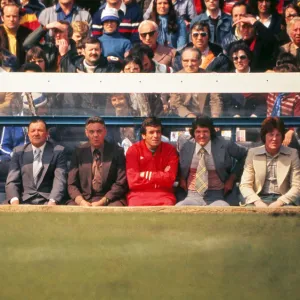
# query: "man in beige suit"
(188, 104)
(271, 175)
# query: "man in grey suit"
(207, 171)
(37, 172)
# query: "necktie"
(97, 180)
(37, 164)
(277, 105)
(201, 184)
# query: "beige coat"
(288, 174)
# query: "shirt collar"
(58, 8)
(207, 147)
(42, 148)
(236, 71)
(101, 149)
(219, 13)
(122, 7)
(283, 150)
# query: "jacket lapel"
(260, 169)
(106, 161)
(28, 161)
(283, 167)
(46, 159)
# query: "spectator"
(29, 12)
(240, 55)
(151, 168)
(112, 42)
(293, 47)
(185, 9)
(271, 176)
(60, 51)
(290, 11)
(37, 55)
(265, 11)
(212, 57)
(64, 10)
(12, 34)
(190, 104)
(80, 31)
(37, 173)
(132, 65)
(8, 61)
(130, 16)
(219, 22)
(262, 43)
(171, 29)
(32, 6)
(148, 32)
(206, 176)
(101, 179)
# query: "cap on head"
(110, 14)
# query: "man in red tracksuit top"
(151, 168)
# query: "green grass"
(149, 256)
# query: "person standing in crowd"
(130, 16)
(38, 170)
(271, 176)
(172, 30)
(212, 57)
(132, 64)
(60, 51)
(219, 22)
(207, 171)
(80, 31)
(112, 42)
(64, 10)
(265, 11)
(148, 32)
(189, 104)
(151, 168)
(37, 55)
(184, 8)
(12, 34)
(262, 43)
(32, 6)
(293, 47)
(97, 174)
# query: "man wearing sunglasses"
(148, 32)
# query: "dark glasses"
(196, 34)
(151, 33)
(242, 57)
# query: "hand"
(84, 203)
(56, 25)
(113, 58)
(51, 203)
(101, 202)
(166, 108)
(16, 202)
(167, 169)
(63, 46)
(142, 174)
(248, 19)
(228, 186)
(260, 203)
(276, 204)
(182, 184)
(288, 138)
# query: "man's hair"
(241, 3)
(291, 24)
(34, 121)
(293, 6)
(203, 122)
(269, 124)
(139, 50)
(35, 52)
(10, 3)
(31, 66)
(285, 68)
(192, 49)
(132, 59)
(82, 27)
(203, 5)
(148, 22)
(70, 29)
(240, 45)
(93, 120)
(91, 40)
(286, 58)
(150, 121)
(201, 25)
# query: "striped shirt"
(290, 104)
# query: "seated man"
(271, 175)
(207, 173)
(97, 173)
(37, 172)
(151, 167)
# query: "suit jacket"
(164, 55)
(288, 174)
(224, 153)
(22, 33)
(51, 183)
(114, 183)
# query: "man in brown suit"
(12, 35)
(187, 104)
(97, 174)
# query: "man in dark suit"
(97, 174)
(37, 172)
(207, 171)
